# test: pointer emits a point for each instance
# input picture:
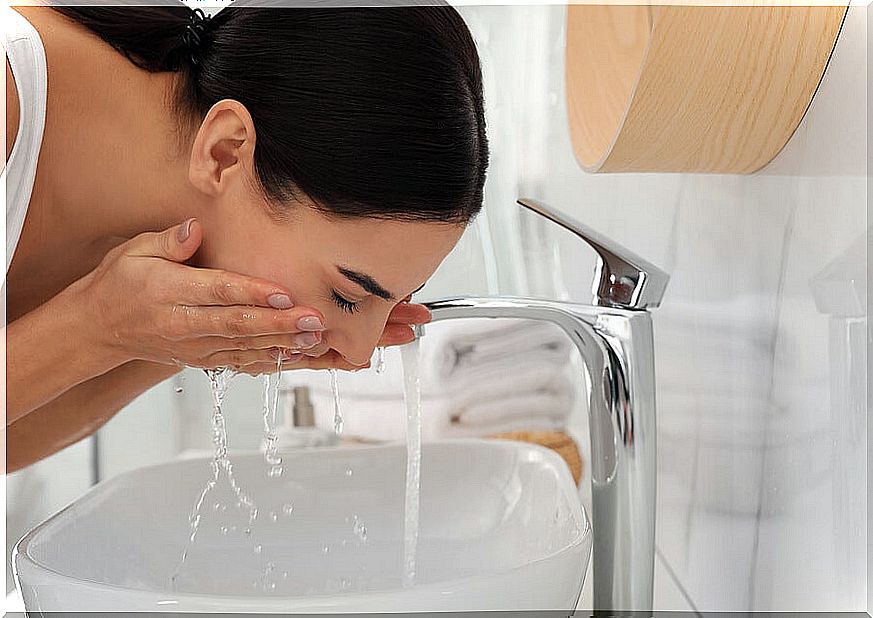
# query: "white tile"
(667, 594)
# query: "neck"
(115, 165)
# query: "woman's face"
(353, 271)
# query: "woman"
(215, 192)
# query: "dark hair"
(368, 111)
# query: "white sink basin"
(501, 528)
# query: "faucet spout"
(617, 348)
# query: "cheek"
(350, 334)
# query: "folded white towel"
(442, 417)
(478, 376)
(451, 350)
(459, 357)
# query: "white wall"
(761, 382)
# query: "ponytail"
(153, 38)
(366, 111)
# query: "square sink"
(501, 527)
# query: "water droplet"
(248, 530)
(216, 506)
(273, 516)
(288, 508)
(178, 390)
(224, 530)
(275, 471)
(285, 574)
(360, 530)
(349, 472)
(258, 549)
(272, 585)
(325, 549)
(337, 414)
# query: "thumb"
(177, 243)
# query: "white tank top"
(26, 56)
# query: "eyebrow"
(368, 283)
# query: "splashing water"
(380, 360)
(412, 397)
(360, 530)
(271, 434)
(337, 414)
(219, 380)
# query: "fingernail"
(184, 231)
(280, 301)
(310, 322)
(307, 340)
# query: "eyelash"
(346, 305)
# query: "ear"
(223, 149)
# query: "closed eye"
(345, 304)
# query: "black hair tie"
(195, 33)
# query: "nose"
(356, 344)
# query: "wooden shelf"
(707, 89)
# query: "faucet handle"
(622, 278)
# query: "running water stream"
(219, 381)
(412, 396)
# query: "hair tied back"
(195, 33)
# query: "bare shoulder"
(12, 111)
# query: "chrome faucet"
(614, 336)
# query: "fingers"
(410, 313)
(330, 360)
(177, 243)
(308, 342)
(245, 360)
(235, 321)
(210, 287)
(396, 334)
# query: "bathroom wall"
(761, 341)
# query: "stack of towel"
(478, 377)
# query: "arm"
(79, 412)
(49, 351)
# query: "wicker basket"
(558, 441)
